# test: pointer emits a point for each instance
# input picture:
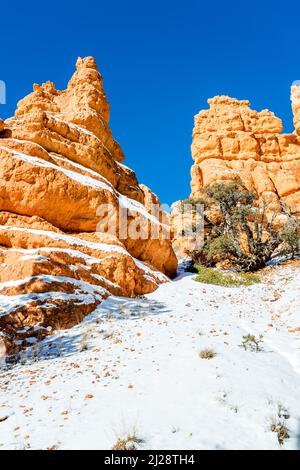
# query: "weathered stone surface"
(232, 141)
(154, 206)
(59, 166)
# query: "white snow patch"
(143, 371)
(34, 257)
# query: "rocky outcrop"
(231, 141)
(65, 243)
(183, 238)
(154, 207)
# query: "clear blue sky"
(161, 61)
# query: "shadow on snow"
(64, 343)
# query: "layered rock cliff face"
(59, 164)
(232, 141)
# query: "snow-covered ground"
(133, 366)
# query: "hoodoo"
(60, 165)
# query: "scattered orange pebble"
(294, 330)
(130, 386)
(139, 333)
(89, 396)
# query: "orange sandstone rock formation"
(154, 207)
(59, 164)
(232, 141)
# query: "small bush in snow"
(278, 426)
(252, 343)
(282, 412)
(84, 345)
(129, 442)
(207, 353)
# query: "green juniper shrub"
(242, 232)
(290, 237)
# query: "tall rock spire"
(59, 167)
(295, 98)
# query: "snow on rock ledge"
(58, 164)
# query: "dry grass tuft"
(279, 427)
(278, 424)
(207, 353)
